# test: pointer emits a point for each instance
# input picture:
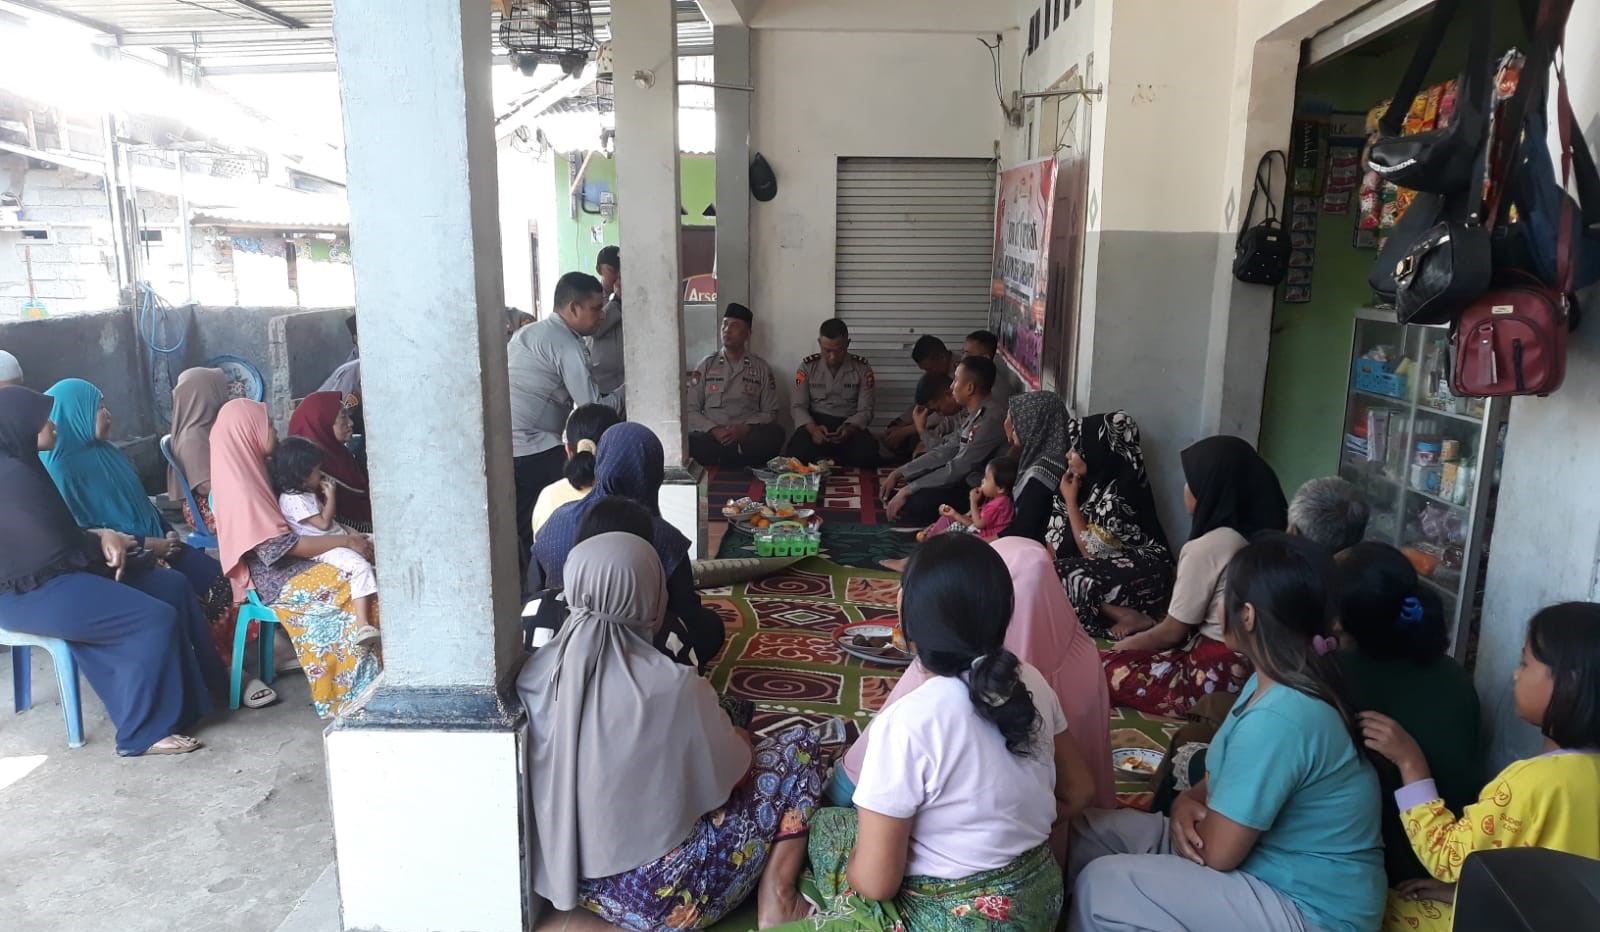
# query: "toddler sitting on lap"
(991, 511)
(309, 500)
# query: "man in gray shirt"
(732, 406)
(946, 474)
(548, 367)
(605, 345)
(832, 403)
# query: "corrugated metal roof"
(278, 209)
(260, 36)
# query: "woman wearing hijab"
(259, 551)
(324, 419)
(141, 642)
(629, 461)
(102, 489)
(1232, 495)
(1036, 422)
(1045, 634)
(196, 398)
(649, 807)
(1113, 549)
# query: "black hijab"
(1232, 487)
(1117, 492)
(38, 537)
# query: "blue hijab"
(630, 462)
(96, 479)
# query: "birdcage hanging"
(558, 32)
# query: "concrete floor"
(229, 837)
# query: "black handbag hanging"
(1261, 252)
(1439, 160)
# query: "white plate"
(1122, 757)
(845, 634)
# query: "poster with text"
(1024, 207)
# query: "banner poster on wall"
(1024, 208)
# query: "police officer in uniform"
(733, 401)
(946, 474)
(832, 403)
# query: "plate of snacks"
(740, 509)
(783, 464)
(1136, 763)
(872, 642)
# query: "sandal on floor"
(171, 744)
(258, 695)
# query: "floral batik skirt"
(1170, 682)
(703, 879)
(1132, 579)
(316, 611)
(1024, 896)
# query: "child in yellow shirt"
(1549, 801)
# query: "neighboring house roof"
(280, 210)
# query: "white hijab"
(626, 749)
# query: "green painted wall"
(576, 237)
(1302, 417)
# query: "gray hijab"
(626, 749)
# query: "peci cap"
(739, 312)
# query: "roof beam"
(729, 12)
(46, 9)
(261, 8)
(188, 39)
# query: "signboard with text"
(1024, 208)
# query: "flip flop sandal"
(179, 744)
(258, 695)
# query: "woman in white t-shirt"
(964, 778)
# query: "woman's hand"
(361, 544)
(1183, 827)
(1384, 735)
(1070, 487)
(161, 547)
(114, 547)
(1426, 888)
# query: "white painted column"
(644, 41)
(424, 781)
(732, 44)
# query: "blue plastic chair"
(251, 610)
(202, 537)
(66, 677)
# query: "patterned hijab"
(612, 722)
(629, 462)
(1117, 492)
(38, 535)
(196, 398)
(1232, 487)
(95, 478)
(1040, 421)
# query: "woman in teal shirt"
(1283, 834)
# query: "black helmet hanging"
(763, 183)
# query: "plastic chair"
(202, 537)
(66, 677)
(251, 610)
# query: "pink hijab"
(246, 510)
(1044, 632)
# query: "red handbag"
(1513, 339)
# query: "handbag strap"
(1564, 270)
(1421, 60)
(1263, 187)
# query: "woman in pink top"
(1045, 633)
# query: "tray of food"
(1136, 763)
(873, 642)
(749, 516)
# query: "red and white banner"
(1024, 209)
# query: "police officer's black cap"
(740, 312)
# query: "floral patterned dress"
(1131, 565)
(1024, 896)
(313, 603)
(701, 880)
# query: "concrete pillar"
(644, 41)
(645, 46)
(424, 781)
(732, 44)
